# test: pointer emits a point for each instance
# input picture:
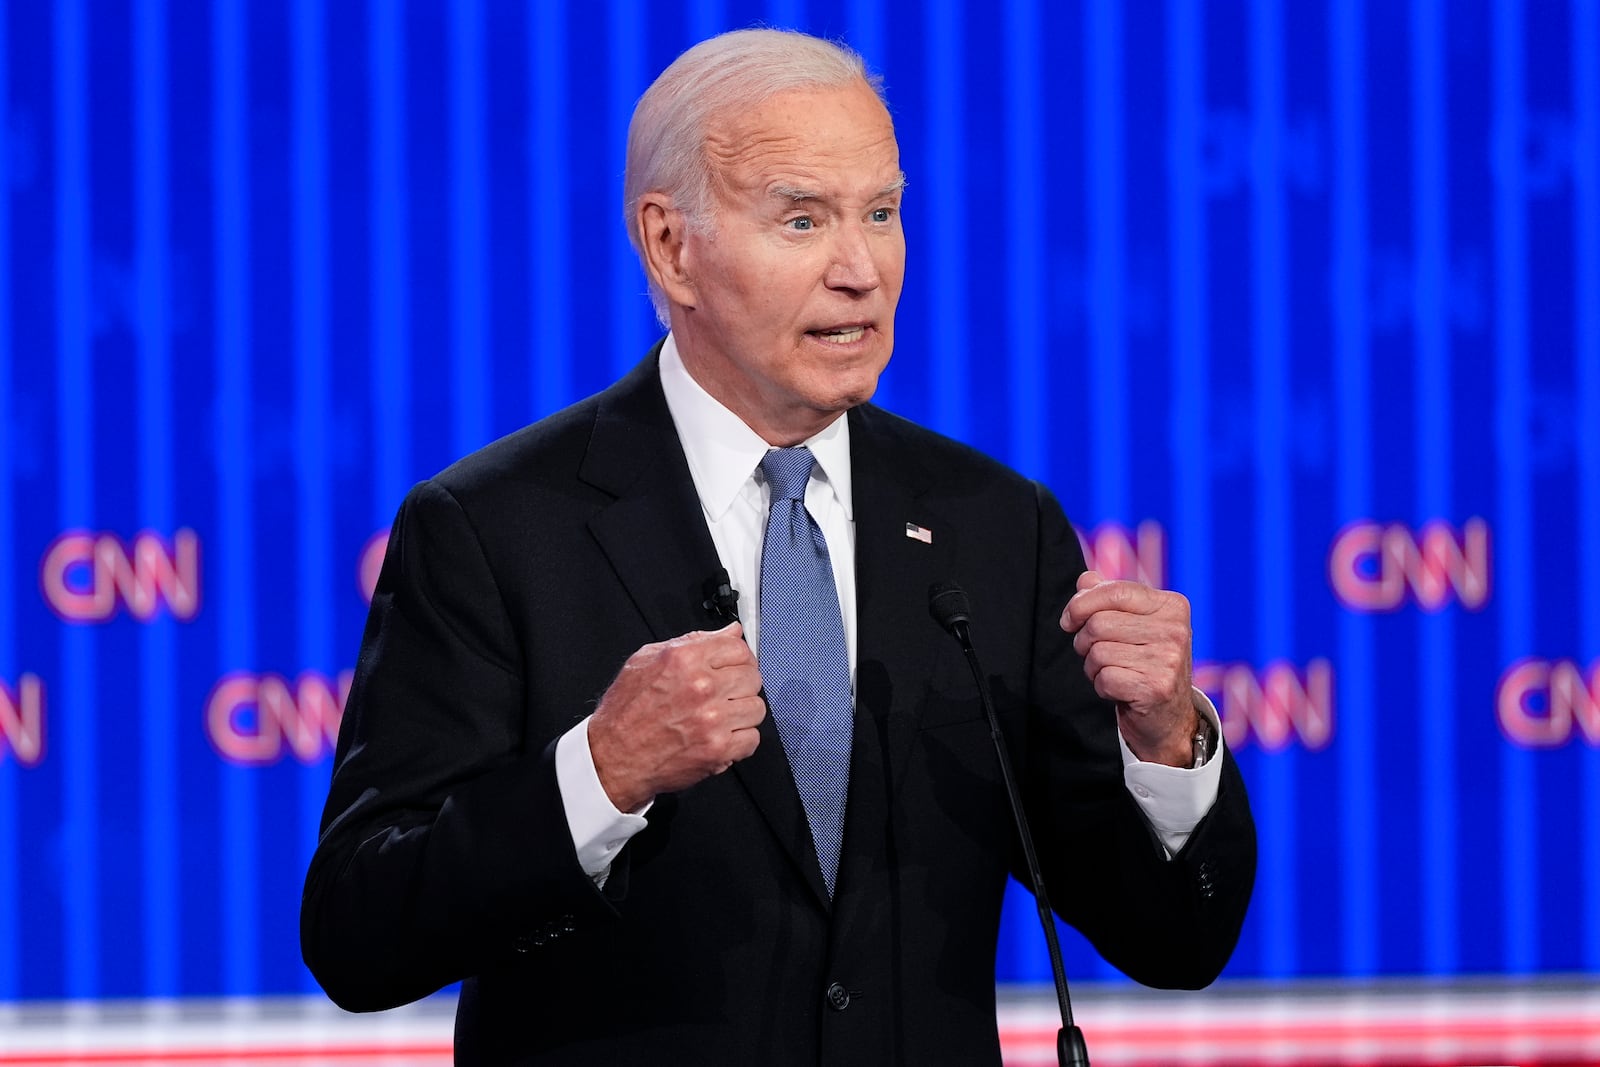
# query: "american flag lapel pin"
(919, 533)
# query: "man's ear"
(663, 236)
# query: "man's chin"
(852, 383)
(854, 398)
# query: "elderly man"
(641, 833)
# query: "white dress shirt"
(724, 460)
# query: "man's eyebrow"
(799, 192)
(793, 192)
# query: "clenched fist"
(1136, 647)
(679, 711)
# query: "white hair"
(741, 69)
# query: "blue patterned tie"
(804, 665)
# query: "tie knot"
(787, 471)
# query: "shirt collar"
(723, 452)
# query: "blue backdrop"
(1296, 305)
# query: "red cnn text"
(258, 719)
(1375, 566)
(1546, 703)
(89, 577)
(1272, 706)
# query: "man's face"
(788, 317)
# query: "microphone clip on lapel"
(721, 598)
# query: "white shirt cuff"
(1175, 799)
(598, 829)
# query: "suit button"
(838, 997)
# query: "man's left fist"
(1137, 646)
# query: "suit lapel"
(655, 537)
(897, 640)
(652, 532)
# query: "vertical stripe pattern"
(1586, 358)
(158, 694)
(1519, 806)
(312, 357)
(237, 854)
(10, 838)
(1433, 384)
(390, 284)
(947, 148)
(468, 200)
(1026, 309)
(1278, 899)
(628, 80)
(550, 234)
(81, 765)
(1107, 377)
(1186, 269)
(1358, 783)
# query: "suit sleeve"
(1165, 923)
(444, 845)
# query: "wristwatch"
(1205, 742)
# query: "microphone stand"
(948, 604)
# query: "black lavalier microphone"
(721, 598)
(947, 603)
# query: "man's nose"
(853, 267)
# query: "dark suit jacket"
(516, 584)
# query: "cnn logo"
(259, 719)
(1272, 706)
(1376, 566)
(88, 577)
(1543, 704)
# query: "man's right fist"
(678, 712)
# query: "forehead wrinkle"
(748, 154)
(729, 152)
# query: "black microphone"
(721, 598)
(947, 603)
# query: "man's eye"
(881, 214)
(803, 222)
